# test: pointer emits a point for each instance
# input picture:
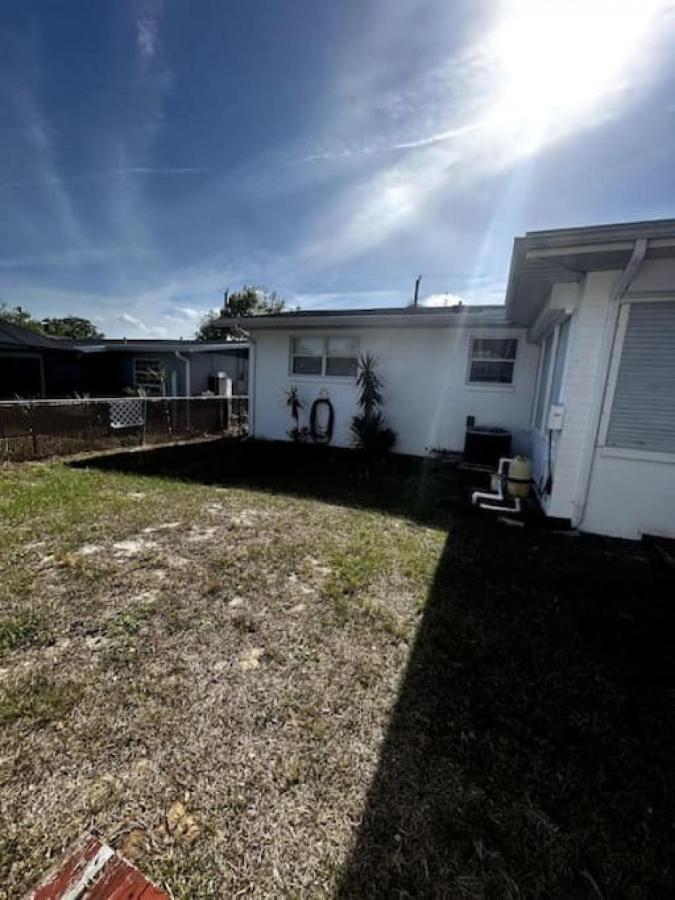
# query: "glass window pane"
(308, 346)
(306, 365)
(559, 364)
(543, 379)
(490, 372)
(336, 365)
(494, 348)
(343, 346)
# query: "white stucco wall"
(627, 495)
(424, 370)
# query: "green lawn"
(260, 670)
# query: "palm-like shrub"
(294, 404)
(370, 430)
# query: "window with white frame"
(550, 383)
(557, 378)
(542, 383)
(642, 411)
(336, 356)
(148, 376)
(492, 360)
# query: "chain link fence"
(35, 429)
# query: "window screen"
(543, 382)
(342, 357)
(307, 356)
(492, 360)
(333, 356)
(148, 375)
(559, 364)
(643, 407)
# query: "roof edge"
(488, 316)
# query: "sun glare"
(557, 62)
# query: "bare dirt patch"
(316, 688)
(205, 709)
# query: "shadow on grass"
(530, 750)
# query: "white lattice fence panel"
(127, 413)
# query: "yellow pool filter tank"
(519, 479)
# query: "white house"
(579, 366)
(600, 304)
(432, 363)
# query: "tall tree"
(249, 301)
(73, 327)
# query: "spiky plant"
(294, 404)
(369, 428)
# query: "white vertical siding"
(584, 380)
(627, 495)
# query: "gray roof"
(25, 339)
(390, 317)
(543, 258)
(159, 346)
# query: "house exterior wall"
(633, 493)
(234, 364)
(111, 374)
(63, 373)
(629, 494)
(584, 380)
(424, 371)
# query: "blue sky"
(155, 152)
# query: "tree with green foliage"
(73, 327)
(249, 301)
(17, 315)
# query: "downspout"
(609, 332)
(252, 353)
(186, 360)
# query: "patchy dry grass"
(303, 687)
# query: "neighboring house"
(579, 365)
(35, 366)
(182, 368)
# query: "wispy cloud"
(189, 315)
(47, 180)
(147, 28)
(508, 93)
(39, 138)
(124, 318)
(73, 257)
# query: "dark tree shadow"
(530, 750)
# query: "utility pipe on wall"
(186, 360)
(250, 384)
